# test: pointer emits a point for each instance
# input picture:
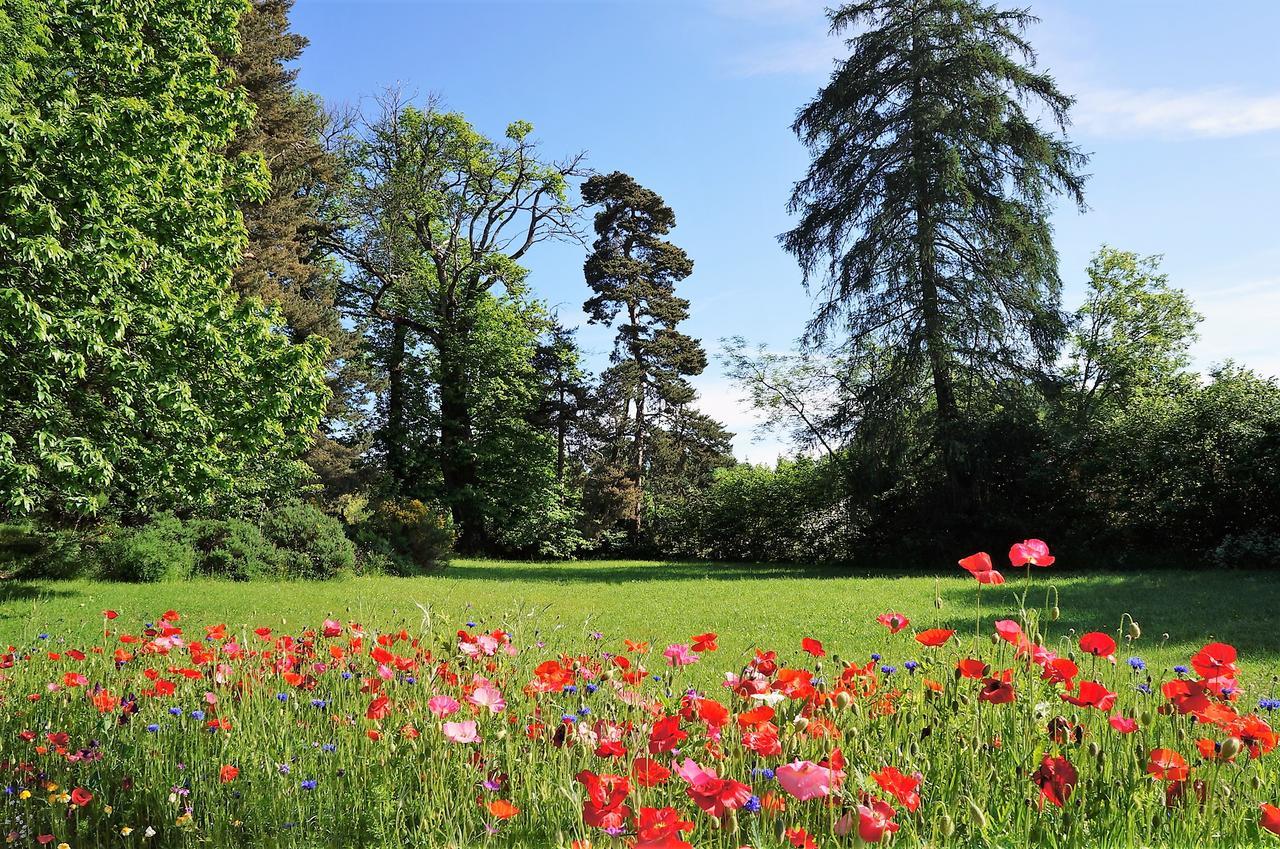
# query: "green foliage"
(414, 536)
(312, 543)
(158, 551)
(236, 549)
(130, 375)
(28, 552)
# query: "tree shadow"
(1178, 606)
(621, 572)
(27, 591)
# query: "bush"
(1248, 550)
(160, 551)
(409, 535)
(28, 552)
(235, 549)
(311, 543)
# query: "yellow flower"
(106, 809)
(126, 830)
(25, 794)
(64, 846)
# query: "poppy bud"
(1182, 735)
(995, 639)
(780, 829)
(1145, 718)
(1055, 613)
(800, 723)
(979, 817)
(1094, 750)
(1134, 631)
(731, 822)
(947, 826)
(1255, 782)
(1231, 747)
(713, 822)
(843, 699)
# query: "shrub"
(160, 551)
(409, 534)
(311, 543)
(235, 549)
(28, 552)
(1248, 550)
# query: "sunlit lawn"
(749, 606)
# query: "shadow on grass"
(1189, 606)
(22, 591)
(619, 572)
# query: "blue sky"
(1178, 104)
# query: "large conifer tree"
(633, 272)
(924, 216)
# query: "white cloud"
(1240, 324)
(720, 398)
(1202, 113)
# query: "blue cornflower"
(570, 688)
(283, 769)
(319, 703)
(763, 772)
(1180, 669)
(346, 676)
(1268, 704)
(329, 747)
(752, 805)
(888, 670)
(591, 688)
(309, 784)
(282, 697)
(567, 717)
(153, 728)
(42, 636)
(409, 679)
(911, 666)
(175, 711)
(584, 711)
(1145, 689)
(657, 677)
(197, 715)
(471, 624)
(1137, 663)
(875, 655)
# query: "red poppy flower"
(666, 735)
(81, 797)
(1092, 694)
(904, 788)
(705, 642)
(895, 622)
(996, 691)
(605, 805)
(1056, 778)
(1187, 697)
(1123, 724)
(1167, 765)
(227, 774)
(659, 828)
(1060, 670)
(502, 809)
(1270, 818)
(1033, 551)
(717, 795)
(109, 614)
(648, 772)
(934, 636)
(813, 647)
(973, 668)
(800, 838)
(875, 820)
(979, 565)
(1216, 660)
(1099, 644)
(379, 708)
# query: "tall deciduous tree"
(633, 272)
(437, 219)
(283, 262)
(924, 215)
(130, 374)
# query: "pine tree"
(924, 215)
(283, 263)
(633, 272)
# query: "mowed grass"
(748, 606)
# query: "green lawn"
(666, 602)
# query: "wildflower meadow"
(167, 732)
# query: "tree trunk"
(457, 451)
(394, 437)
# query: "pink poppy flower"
(442, 706)
(678, 654)
(488, 696)
(461, 732)
(806, 780)
(1030, 551)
